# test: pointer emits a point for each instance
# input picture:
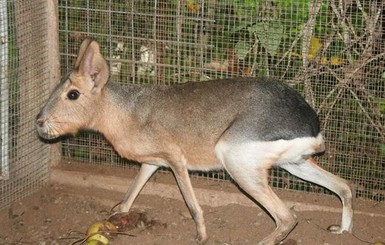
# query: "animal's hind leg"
(310, 171)
(252, 177)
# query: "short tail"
(319, 144)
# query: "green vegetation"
(331, 53)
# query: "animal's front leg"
(145, 172)
(184, 183)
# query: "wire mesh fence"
(331, 51)
(24, 86)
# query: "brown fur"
(244, 125)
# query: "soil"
(61, 214)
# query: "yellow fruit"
(109, 227)
(101, 226)
(95, 228)
(97, 239)
(93, 242)
(378, 243)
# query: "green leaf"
(241, 26)
(382, 148)
(269, 35)
(242, 49)
(381, 104)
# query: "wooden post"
(53, 63)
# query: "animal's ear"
(91, 62)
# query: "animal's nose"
(40, 122)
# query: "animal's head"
(74, 103)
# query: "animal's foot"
(201, 239)
(337, 229)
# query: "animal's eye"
(73, 95)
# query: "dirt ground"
(61, 214)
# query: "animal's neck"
(115, 118)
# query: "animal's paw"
(336, 229)
(201, 240)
